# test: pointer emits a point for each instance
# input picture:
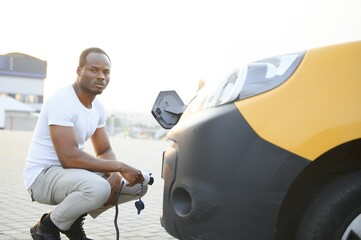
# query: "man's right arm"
(70, 156)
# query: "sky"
(157, 45)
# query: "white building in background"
(21, 90)
(2, 117)
(22, 78)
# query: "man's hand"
(114, 181)
(132, 175)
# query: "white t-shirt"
(64, 109)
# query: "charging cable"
(148, 179)
(117, 210)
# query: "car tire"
(333, 210)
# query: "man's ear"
(78, 70)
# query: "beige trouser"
(75, 192)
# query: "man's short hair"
(84, 54)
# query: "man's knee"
(98, 191)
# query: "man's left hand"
(114, 181)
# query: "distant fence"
(20, 121)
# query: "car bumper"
(221, 180)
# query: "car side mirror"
(168, 108)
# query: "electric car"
(272, 152)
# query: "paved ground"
(18, 213)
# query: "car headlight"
(253, 79)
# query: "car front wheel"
(335, 212)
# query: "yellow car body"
(317, 108)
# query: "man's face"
(94, 76)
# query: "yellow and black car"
(273, 152)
